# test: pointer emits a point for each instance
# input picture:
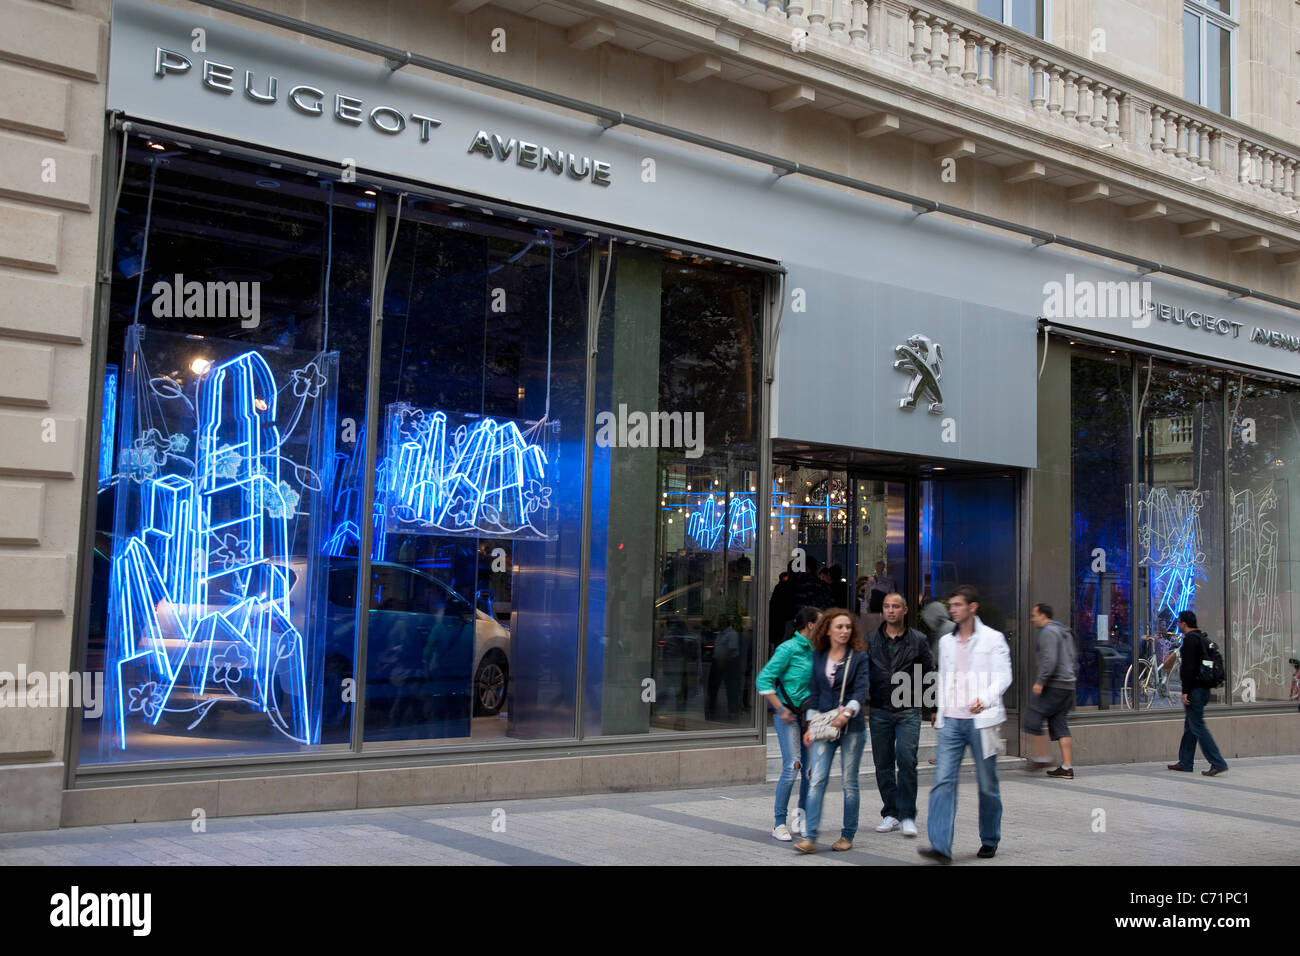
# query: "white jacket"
(990, 662)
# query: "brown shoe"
(1179, 767)
(1213, 772)
(806, 846)
(842, 844)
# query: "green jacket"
(791, 664)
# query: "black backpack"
(1212, 672)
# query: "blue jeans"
(792, 751)
(1194, 731)
(850, 746)
(894, 739)
(954, 737)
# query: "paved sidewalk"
(1151, 816)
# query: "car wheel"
(490, 685)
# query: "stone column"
(920, 28)
(1070, 101)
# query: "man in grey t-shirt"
(1053, 694)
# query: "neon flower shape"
(145, 699)
(226, 462)
(536, 495)
(138, 463)
(308, 381)
(178, 443)
(285, 504)
(461, 511)
(232, 551)
(229, 666)
(412, 423)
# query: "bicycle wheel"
(1147, 691)
(1128, 688)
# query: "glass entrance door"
(880, 565)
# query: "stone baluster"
(920, 28)
(974, 54)
(1070, 101)
(1256, 165)
(1288, 183)
(858, 25)
(986, 68)
(839, 22)
(956, 53)
(1039, 96)
(1083, 113)
(1207, 147)
(1171, 133)
(1279, 174)
(1098, 105)
(817, 18)
(1054, 92)
(795, 10)
(1157, 128)
(1184, 137)
(774, 9)
(1112, 113)
(938, 43)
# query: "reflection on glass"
(881, 510)
(1263, 448)
(1218, 68)
(1178, 507)
(1101, 426)
(236, 289)
(473, 605)
(670, 642)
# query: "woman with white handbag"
(835, 721)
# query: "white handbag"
(819, 725)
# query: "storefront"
(438, 430)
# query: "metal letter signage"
(920, 358)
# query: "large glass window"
(1264, 446)
(674, 520)
(1101, 411)
(237, 342)
(479, 488)
(1209, 53)
(273, 496)
(1179, 512)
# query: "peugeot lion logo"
(921, 359)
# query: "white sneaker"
(782, 833)
(797, 824)
(887, 825)
(909, 828)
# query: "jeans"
(792, 751)
(895, 738)
(850, 746)
(1194, 730)
(954, 737)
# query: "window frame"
(1007, 12)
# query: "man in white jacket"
(974, 673)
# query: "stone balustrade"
(1080, 99)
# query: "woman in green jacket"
(785, 681)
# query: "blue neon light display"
(1171, 547)
(107, 422)
(735, 515)
(208, 604)
(466, 475)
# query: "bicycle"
(1152, 679)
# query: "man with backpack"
(1053, 693)
(1201, 670)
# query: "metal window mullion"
(1226, 495)
(588, 451)
(1135, 420)
(367, 517)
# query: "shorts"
(1051, 705)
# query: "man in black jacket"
(902, 667)
(1195, 695)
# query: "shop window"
(478, 492)
(1101, 411)
(671, 613)
(1263, 448)
(1179, 518)
(237, 346)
